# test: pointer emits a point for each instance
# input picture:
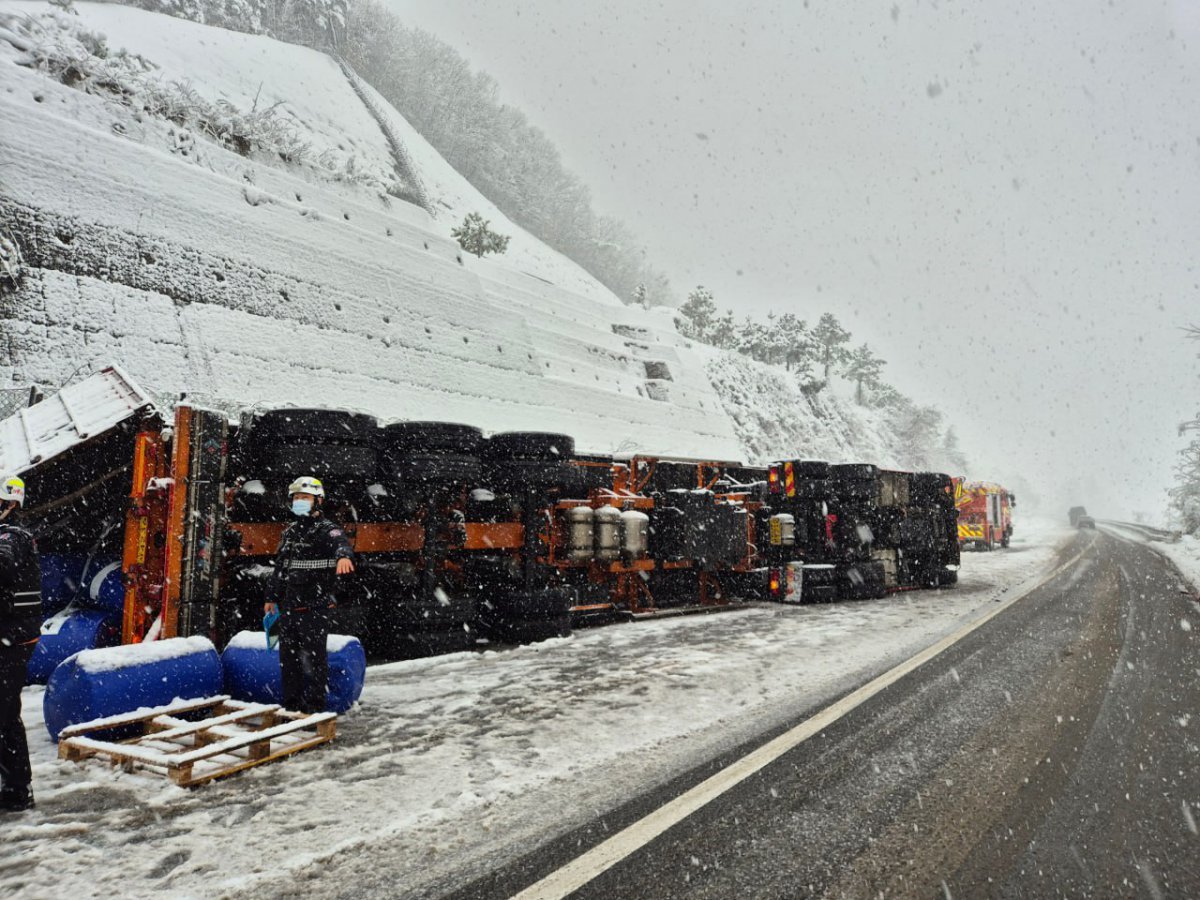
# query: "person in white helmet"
(313, 553)
(20, 627)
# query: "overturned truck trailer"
(514, 537)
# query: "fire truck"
(984, 514)
(512, 537)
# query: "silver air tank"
(635, 534)
(580, 533)
(608, 533)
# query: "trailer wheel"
(432, 438)
(422, 469)
(524, 617)
(947, 577)
(529, 445)
(300, 426)
(334, 461)
(395, 641)
(432, 453)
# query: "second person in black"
(313, 553)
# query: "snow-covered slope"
(244, 281)
(241, 279)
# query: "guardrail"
(1154, 534)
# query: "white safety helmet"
(306, 484)
(13, 489)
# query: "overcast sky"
(1002, 198)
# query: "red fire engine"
(984, 513)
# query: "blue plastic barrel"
(103, 585)
(95, 684)
(65, 634)
(60, 580)
(252, 671)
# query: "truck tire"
(432, 438)
(424, 470)
(529, 445)
(422, 454)
(333, 461)
(302, 426)
(525, 617)
(539, 475)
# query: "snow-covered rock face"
(245, 280)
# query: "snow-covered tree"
(830, 339)
(954, 461)
(797, 342)
(918, 433)
(698, 313)
(752, 339)
(639, 295)
(476, 236)
(724, 331)
(1185, 495)
(863, 367)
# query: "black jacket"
(305, 575)
(20, 586)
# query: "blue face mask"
(302, 507)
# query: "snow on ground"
(453, 762)
(1185, 553)
(1186, 556)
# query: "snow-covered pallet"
(230, 736)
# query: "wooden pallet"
(230, 736)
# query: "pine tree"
(723, 333)
(797, 343)
(917, 430)
(831, 340)
(698, 312)
(752, 339)
(1185, 495)
(639, 295)
(863, 367)
(475, 236)
(954, 460)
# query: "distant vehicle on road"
(1075, 513)
(1085, 521)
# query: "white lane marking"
(575, 874)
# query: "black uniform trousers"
(14, 748)
(303, 634)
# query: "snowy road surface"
(1050, 753)
(453, 767)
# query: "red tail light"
(776, 583)
(773, 479)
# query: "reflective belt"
(312, 564)
(37, 602)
